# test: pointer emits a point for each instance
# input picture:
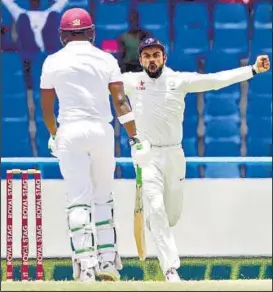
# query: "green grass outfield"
(225, 285)
(149, 270)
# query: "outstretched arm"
(204, 82)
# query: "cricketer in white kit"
(81, 76)
(157, 98)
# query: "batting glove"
(52, 146)
(140, 151)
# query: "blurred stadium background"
(203, 36)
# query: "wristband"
(253, 70)
(126, 118)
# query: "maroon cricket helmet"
(76, 21)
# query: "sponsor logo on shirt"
(141, 86)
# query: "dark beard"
(155, 74)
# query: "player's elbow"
(218, 81)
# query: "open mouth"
(152, 67)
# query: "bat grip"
(138, 175)
(138, 169)
(139, 146)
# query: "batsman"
(157, 98)
(81, 76)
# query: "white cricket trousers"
(87, 163)
(163, 183)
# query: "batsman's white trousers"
(87, 163)
(163, 183)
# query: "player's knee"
(104, 207)
(157, 211)
(103, 199)
(79, 216)
(173, 219)
(81, 231)
(174, 214)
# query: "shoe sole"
(87, 280)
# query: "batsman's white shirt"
(80, 75)
(159, 108)
(159, 103)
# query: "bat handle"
(139, 146)
(138, 175)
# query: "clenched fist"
(262, 64)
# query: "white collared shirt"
(159, 104)
(80, 74)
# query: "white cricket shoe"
(87, 275)
(87, 272)
(108, 272)
(76, 269)
(172, 275)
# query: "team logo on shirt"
(141, 86)
(172, 85)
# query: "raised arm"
(196, 82)
(14, 9)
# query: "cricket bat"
(139, 228)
